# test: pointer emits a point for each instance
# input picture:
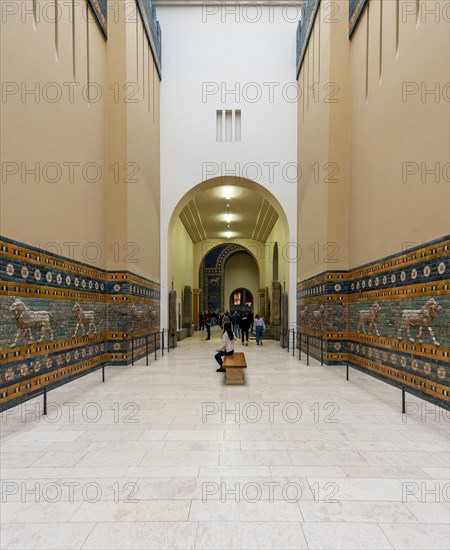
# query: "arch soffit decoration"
(228, 251)
(232, 181)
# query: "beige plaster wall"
(56, 126)
(323, 143)
(181, 259)
(382, 140)
(287, 252)
(143, 152)
(111, 134)
(391, 210)
(133, 112)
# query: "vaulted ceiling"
(252, 216)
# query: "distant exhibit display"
(212, 278)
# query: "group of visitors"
(241, 324)
(208, 319)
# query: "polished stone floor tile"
(133, 509)
(142, 536)
(250, 536)
(431, 512)
(254, 458)
(417, 537)
(39, 511)
(234, 510)
(345, 536)
(364, 489)
(356, 512)
(180, 458)
(45, 536)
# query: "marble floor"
(167, 456)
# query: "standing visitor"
(201, 321)
(244, 325)
(259, 327)
(235, 320)
(207, 322)
(251, 318)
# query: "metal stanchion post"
(45, 401)
(321, 349)
(162, 343)
(288, 338)
(347, 372)
(403, 400)
(146, 350)
(132, 350)
(156, 356)
(293, 342)
(300, 347)
(307, 350)
(103, 373)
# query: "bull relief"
(369, 317)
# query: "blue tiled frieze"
(60, 318)
(371, 316)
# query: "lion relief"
(421, 318)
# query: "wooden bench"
(234, 366)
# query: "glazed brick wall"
(403, 281)
(51, 283)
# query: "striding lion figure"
(142, 317)
(27, 320)
(84, 318)
(423, 318)
(369, 317)
(318, 318)
(303, 317)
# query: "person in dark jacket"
(251, 319)
(244, 325)
(207, 321)
(235, 322)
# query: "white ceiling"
(253, 217)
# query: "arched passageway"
(225, 234)
(224, 269)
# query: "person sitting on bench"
(227, 347)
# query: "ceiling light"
(228, 234)
(228, 193)
(228, 218)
